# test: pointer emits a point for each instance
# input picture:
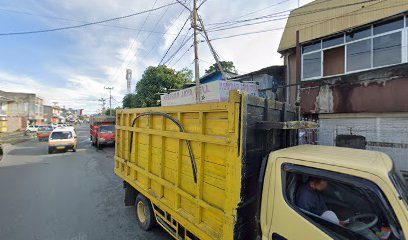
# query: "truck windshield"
(61, 135)
(45, 129)
(107, 129)
(400, 186)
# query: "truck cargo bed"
(153, 156)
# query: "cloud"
(78, 92)
(97, 56)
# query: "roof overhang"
(323, 18)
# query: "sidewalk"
(12, 138)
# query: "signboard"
(217, 91)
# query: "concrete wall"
(379, 90)
(387, 132)
(16, 123)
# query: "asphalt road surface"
(65, 196)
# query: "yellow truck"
(231, 170)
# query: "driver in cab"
(309, 198)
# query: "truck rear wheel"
(144, 212)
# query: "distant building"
(4, 102)
(21, 109)
(58, 114)
(269, 80)
(215, 75)
(72, 115)
(48, 114)
(348, 66)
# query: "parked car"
(62, 139)
(32, 128)
(44, 132)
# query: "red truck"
(102, 130)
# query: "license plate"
(60, 147)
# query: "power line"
(260, 10)
(202, 3)
(158, 21)
(303, 24)
(183, 43)
(131, 46)
(286, 15)
(174, 64)
(273, 14)
(175, 39)
(83, 21)
(155, 26)
(85, 24)
(248, 24)
(151, 49)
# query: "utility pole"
(110, 99)
(103, 100)
(212, 49)
(197, 69)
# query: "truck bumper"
(106, 141)
(61, 147)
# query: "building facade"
(347, 66)
(269, 80)
(58, 114)
(215, 76)
(22, 109)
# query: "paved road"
(64, 196)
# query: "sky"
(72, 67)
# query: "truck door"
(367, 211)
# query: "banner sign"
(217, 91)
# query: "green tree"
(156, 80)
(226, 66)
(130, 101)
(113, 111)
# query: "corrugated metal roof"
(325, 17)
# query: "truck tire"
(144, 213)
(130, 194)
(49, 150)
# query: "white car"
(32, 128)
(66, 128)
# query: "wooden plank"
(222, 140)
(179, 159)
(209, 107)
(168, 185)
(268, 125)
(200, 175)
